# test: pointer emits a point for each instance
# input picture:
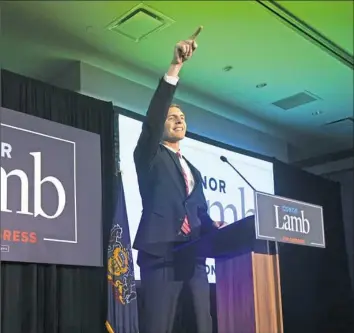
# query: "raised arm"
(153, 126)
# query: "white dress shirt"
(186, 169)
(173, 80)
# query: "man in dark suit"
(174, 209)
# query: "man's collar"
(173, 150)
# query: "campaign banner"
(50, 192)
(286, 220)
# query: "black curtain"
(49, 298)
(315, 282)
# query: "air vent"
(343, 120)
(344, 126)
(295, 100)
(140, 22)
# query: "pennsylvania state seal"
(120, 267)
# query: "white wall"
(332, 167)
(135, 97)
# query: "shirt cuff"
(171, 79)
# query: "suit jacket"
(162, 185)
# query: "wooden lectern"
(247, 279)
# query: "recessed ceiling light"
(317, 113)
(227, 68)
(261, 85)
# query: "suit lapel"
(177, 176)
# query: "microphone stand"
(225, 160)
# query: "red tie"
(186, 229)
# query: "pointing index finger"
(195, 35)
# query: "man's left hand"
(220, 224)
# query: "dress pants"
(162, 282)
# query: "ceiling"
(251, 36)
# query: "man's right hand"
(184, 49)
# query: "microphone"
(224, 159)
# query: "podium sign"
(285, 220)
